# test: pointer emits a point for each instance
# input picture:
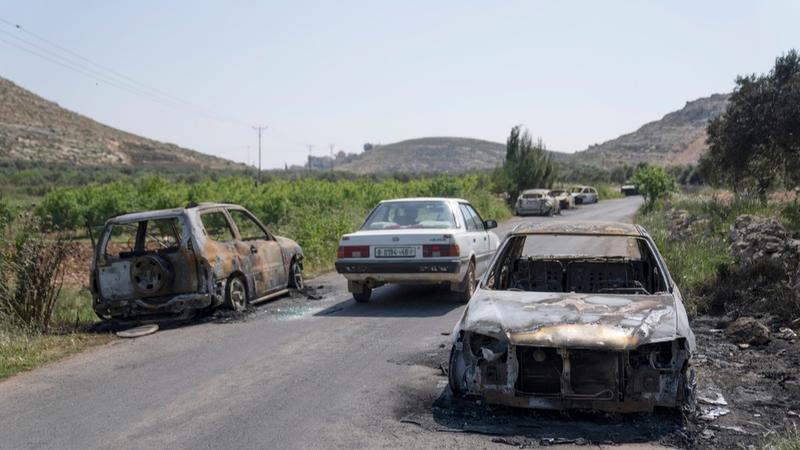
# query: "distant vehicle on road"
(565, 200)
(418, 241)
(628, 189)
(177, 261)
(576, 315)
(536, 201)
(584, 194)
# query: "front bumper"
(562, 378)
(171, 305)
(402, 272)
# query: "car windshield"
(577, 263)
(577, 189)
(532, 195)
(404, 215)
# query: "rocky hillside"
(432, 154)
(677, 138)
(35, 129)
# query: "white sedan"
(418, 241)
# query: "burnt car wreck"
(576, 316)
(178, 261)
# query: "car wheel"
(236, 294)
(364, 295)
(452, 374)
(467, 287)
(296, 279)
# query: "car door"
(269, 271)
(479, 236)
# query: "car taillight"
(438, 251)
(353, 251)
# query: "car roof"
(585, 227)
(163, 213)
(425, 199)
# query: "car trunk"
(397, 244)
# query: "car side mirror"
(489, 224)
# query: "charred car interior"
(579, 316)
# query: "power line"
(102, 73)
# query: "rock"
(747, 330)
(756, 239)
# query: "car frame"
(584, 195)
(456, 256)
(179, 261)
(565, 199)
(545, 205)
(554, 347)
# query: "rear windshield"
(538, 245)
(556, 193)
(577, 189)
(130, 239)
(407, 215)
(532, 195)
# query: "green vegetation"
(654, 183)
(754, 146)
(692, 233)
(527, 165)
(315, 212)
(788, 440)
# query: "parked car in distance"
(536, 201)
(576, 315)
(176, 261)
(628, 189)
(565, 200)
(418, 241)
(584, 194)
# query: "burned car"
(177, 261)
(580, 315)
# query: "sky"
(200, 74)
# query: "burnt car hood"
(601, 321)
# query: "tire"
(452, 382)
(236, 294)
(467, 287)
(688, 386)
(150, 274)
(364, 295)
(296, 279)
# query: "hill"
(677, 138)
(38, 130)
(428, 155)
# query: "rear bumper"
(177, 304)
(533, 210)
(402, 272)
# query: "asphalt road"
(294, 373)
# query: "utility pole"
(310, 147)
(259, 129)
(331, 147)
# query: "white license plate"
(395, 252)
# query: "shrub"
(654, 183)
(31, 274)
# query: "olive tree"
(654, 183)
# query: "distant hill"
(427, 155)
(38, 130)
(677, 138)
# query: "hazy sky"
(346, 73)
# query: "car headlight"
(487, 347)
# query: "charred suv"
(176, 261)
(576, 316)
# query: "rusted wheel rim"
(297, 276)
(238, 294)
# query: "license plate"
(395, 252)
